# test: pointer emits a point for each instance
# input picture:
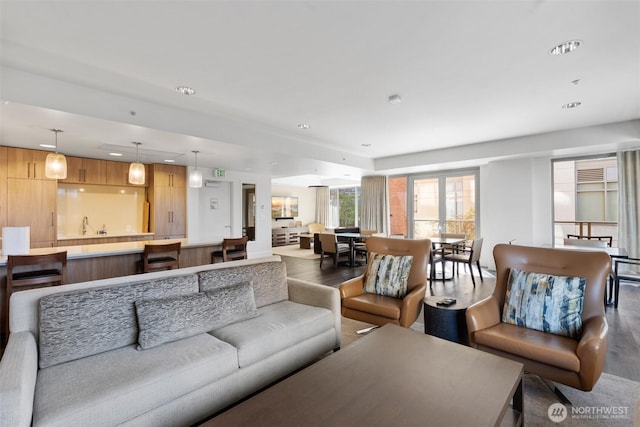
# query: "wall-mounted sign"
(219, 173)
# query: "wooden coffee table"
(393, 376)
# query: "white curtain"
(322, 205)
(629, 201)
(375, 204)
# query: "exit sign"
(220, 173)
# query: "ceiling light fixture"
(136, 169)
(195, 177)
(395, 99)
(304, 126)
(565, 47)
(47, 146)
(115, 154)
(169, 161)
(366, 145)
(572, 104)
(185, 90)
(55, 166)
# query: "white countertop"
(109, 249)
(99, 236)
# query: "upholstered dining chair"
(390, 290)
(573, 237)
(330, 246)
(470, 258)
(559, 334)
(586, 243)
(360, 247)
(623, 270)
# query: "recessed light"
(565, 47)
(572, 104)
(366, 145)
(116, 154)
(47, 146)
(304, 126)
(274, 163)
(169, 161)
(185, 90)
(575, 82)
(395, 99)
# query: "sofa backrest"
(269, 280)
(82, 323)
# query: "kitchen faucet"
(85, 222)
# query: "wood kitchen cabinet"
(118, 174)
(32, 203)
(168, 200)
(26, 164)
(81, 170)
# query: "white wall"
(306, 203)
(515, 203)
(262, 245)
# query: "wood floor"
(624, 322)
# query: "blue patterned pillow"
(387, 274)
(545, 302)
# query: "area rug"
(295, 251)
(614, 401)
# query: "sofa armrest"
(18, 372)
(309, 293)
(481, 315)
(592, 350)
(352, 287)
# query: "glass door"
(444, 203)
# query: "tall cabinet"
(30, 196)
(168, 200)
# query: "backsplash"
(118, 209)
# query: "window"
(344, 206)
(585, 197)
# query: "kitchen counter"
(102, 236)
(93, 239)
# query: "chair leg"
(617, 293)
(559, 394)
(480, 271)
(321, 258)
(473, 279)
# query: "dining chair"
(627, 275)
(159, 256)
(360, 247)
(33, 271)
(607, 239)
(232, 249)
(585, 243)
(330, 246)
(468, 258)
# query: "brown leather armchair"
(575, 362)
(378, 309)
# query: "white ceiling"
(468, 72)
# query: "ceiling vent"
(591, 175)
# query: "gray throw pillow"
(174, 318)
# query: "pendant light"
(195, 178)
(136, 169)
(55, 166)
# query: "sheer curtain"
(322, 205)
(375, 204)
(629, 201)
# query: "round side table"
(446, 322)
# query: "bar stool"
(33, 271)
(231, 249)
(151, 262)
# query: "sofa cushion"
(387, 275)
(544, 302)
(269, 280)
(278, 326)
(82, 323)
(113, 387)
(173, 318)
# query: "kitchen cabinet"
(81, 170)
(287, 235)
(26, 164)
(32, 203)
(118, 174)
(168, 200)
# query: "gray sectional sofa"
(160, 349)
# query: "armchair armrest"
(411, 305)
(592, 350)
(482, 315)
(18, 372)
(352, 287)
